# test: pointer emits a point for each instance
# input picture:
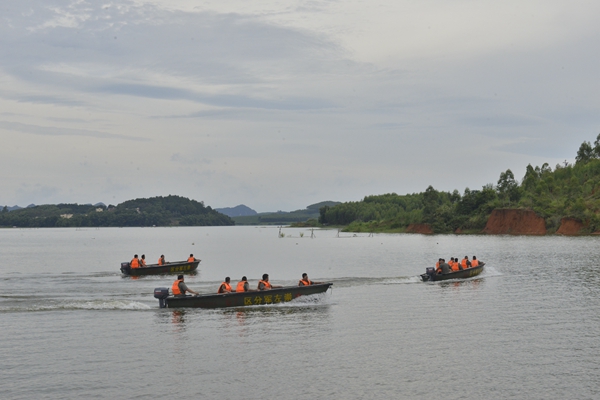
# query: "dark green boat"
(431, 276)
(242, 299)
(177, 267)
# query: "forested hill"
(155, 211)
(565, 191)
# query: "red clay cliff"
(419, 228)
(515, 222)
(570, 226)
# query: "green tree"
(585, 153)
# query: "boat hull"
(243, 299)
(465, 273)
(178, 267)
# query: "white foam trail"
(84, 305)
(402, 281)
(491, 271)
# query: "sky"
(281, 104)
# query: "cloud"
(240, 96)
(235, 101)
(56, 131)
(43, 194)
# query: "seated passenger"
(264, 283)
(225, 286)
(143, 261)
(243, 285)
(191, 258)
(135, 262)
(455, 264)
(465, 263)
(161, 260)
(179, 287)
(475, 262)
(305, 281)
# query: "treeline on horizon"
(155, 211)
(565, 191)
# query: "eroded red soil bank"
(515, 222)
(419, 228)
(570, 226)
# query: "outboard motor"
(125, 267)
(161, 293)
(430, 271)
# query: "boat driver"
(179, 287)
(444, 267)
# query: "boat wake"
(311, 299)
(490, 271)
(402, 280)
(77, 305)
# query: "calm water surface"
(73, 327)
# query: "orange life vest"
(191, 259)
(464, 263)
(135, 263)
(160, 262)
(305, 282)
(227, 288)
(241, 286)
(454, 266)
(475, 263)
(175, 288)
(267, 285)
(437, 264)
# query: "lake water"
(73, 327)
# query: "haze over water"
(74, 327)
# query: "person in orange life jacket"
(191, 258)
(438, 270)
(143, 261)
(305, 281)
(465, 263)
(264, 283)
(455, 264)
(161, 260)
(225, 286)
(458, 264)
(475, 262)
(135, 262)
(243, 285)
(179, 287)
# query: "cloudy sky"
(281, 104)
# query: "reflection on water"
(179, 319)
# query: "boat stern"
(428, 275)
(161, 293)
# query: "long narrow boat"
(177, 267)
(430, 275)
(241, 299)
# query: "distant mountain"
(101, 204)
(237, 211)
(31, 205)
(13, 208)
(282, 217)
(154, 211)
